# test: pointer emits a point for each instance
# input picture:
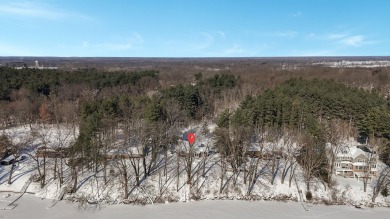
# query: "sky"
(194, 28)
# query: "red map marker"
(191, 137)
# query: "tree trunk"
(74, 176)
(375, 193)
(307, 185)
(292, 172)
(61, 174)
(105, 170)
(365, 185)
(331, 171)
(374, 197)
(96, 157)
(43, 178)
(144, 165)
(273, 170)
(189, 172)
(126, 186)
(284, 173)
(165, 162)
(11, 171)
(221, 185)
(204, 167)
(137, 179)
(222, 175)
(105, 161)
(55, 168)
(252, 176)
(235, 176)
(245, 173)
(177, 172)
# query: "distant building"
(20, 65)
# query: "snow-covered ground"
(353, 64)
(160, 188)
(31, 207)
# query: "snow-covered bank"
(161, 187)
(31, 207)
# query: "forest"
(151, 110)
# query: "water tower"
(36, 64)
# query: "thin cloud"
(235, 50)
(196, 44)
(348, 39)
(314, 53)
(116, 46)
(283, 34)
(119, 45)
(296, 14)
(85, 44)
(11, 50)
(36, 10)
(221, 34)
(337, 36)
(311, 36)
(357, 40)
(345, 39)
(205, 40)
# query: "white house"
(356, 161)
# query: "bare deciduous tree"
(41, 153)
(19, 142)
(273, 152)
(222, 141)
(289, 151)
(134, 151)
(122, 165)
(336, 131)
(370, 159)
(187, 152)
(382, 182)
(311, 159)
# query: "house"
(356, 162)
(268, 152)
(7, 161)
(131, 152)
(51, 152)
(198, 150)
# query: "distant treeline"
(44, 82)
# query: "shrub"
(385, 192)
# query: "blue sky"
(197, 28)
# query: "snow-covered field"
(33, 208)
(354, 64)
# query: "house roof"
(358, 152)
(352, 152)
(9, 158)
